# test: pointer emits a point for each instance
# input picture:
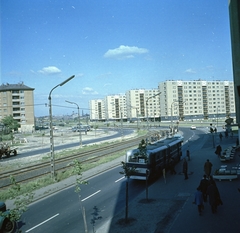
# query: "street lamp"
(79, 123)
(147, 106)
(51, 127)
(136, 114)
(172, 113)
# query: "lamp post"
(147, 106)
(136, 114)
(172, 116)
(172, 111)
(51, 127)
(79, 122)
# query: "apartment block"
(116, 108)
(143, 104)
(97, 110)
(189, 100)
(172, 100)
(17, 100)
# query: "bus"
(150, 161)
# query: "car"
(6, 224)
(193, 127)
(76, 129)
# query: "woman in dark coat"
(214, 196)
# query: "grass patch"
(46, 180)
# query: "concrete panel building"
(17, 100)
(97, 110)
(116, 108)
(143, 104)
(190, 100)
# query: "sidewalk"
(170, 208)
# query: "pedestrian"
(208, 168)
(188, 154)
(211, 180)
(237, 142)
(172, 166)
(198, 200)
(185, 169)
(220, 136)
(164, 173)
(218, 150)
(214, 196)
(204, 183)
(226, 133)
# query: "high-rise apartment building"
(172, 100)
(183, 100)
(17, 100)
(97, 110)
(143, 104)
(116, 107)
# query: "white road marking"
(42, 223)
(91, 195)
(119, 179)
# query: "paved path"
(170, 209)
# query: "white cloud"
(190, 71)
(107, 84)
(89, 91)
(124, 52)
(50, 70)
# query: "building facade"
(143, 104)
(97, 110)
(189, 100)
(172, 100)
(17, 100)
(116, 108)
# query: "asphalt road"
(37, 149)
(62, 211)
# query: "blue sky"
(111, 46)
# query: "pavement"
(169, 208)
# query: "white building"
(182, 100)
(143, 104)
(173, 100)
(97, 110)
(116, 107)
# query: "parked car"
(77, 129)
(6, 225)
(193, 127)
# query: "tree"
(77, 170)
(10, 123)
(21, 202)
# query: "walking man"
(218, 150)
(185, 168)
(214, 197)
(220, 136)
(204, 183)
(208, 168)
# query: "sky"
(111, 46)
